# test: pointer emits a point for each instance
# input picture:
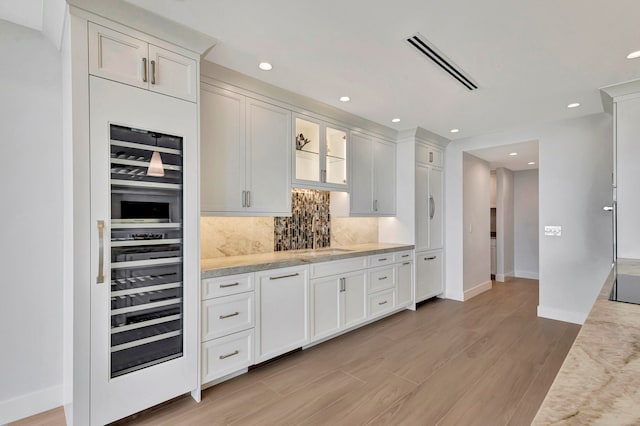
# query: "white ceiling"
(531, 58)
(499, 156)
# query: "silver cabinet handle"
(229, 315)
(382, 278)
(382, 303)
(229, 285)
(153, 72)
(236, 352)
(407, 263)
(100, 278)
(608, 208)
(342, 285)
(431, 157)
(430, 258)
(244, 198)
(144, 70)
(382, 259)
(405, 255)
(375, 205)
(284, 276)
(432, 207)
(248, 198)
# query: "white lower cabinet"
(382, 302)
(227, 317)
(428, 275)
(337, 302)
(227, 355)
(250, 318)
(281, 311)
(404, 283)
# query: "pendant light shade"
(155, 165)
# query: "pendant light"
(156, 168)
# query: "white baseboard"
(562, 315)
(480, 288)
(30, 404)
(454, 296)
(527, 274)
(502, 277)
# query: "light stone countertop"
(230, 265)
(599, 381)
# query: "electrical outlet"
(553, 230)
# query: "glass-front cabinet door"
(321, 151)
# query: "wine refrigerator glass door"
(144, 249)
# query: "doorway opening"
(500, 215)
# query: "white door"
(428, 275)
(404, 283)
(281, 311)
(222, 150)
(138, 362)
(436, 201)
(117, 56)
(172, 74)
(361, 195)
(422, 207)
(355, 298)
(268, 151)
(384, 177)
(325, 307)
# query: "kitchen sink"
(327, 251)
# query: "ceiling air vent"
(425, 48)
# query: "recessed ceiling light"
(531, 163)
(265, 66)
(454, 130)
(513, 153)
(634, 55)
(573, 105)
(395, 120)
(345, 99)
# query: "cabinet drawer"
(382, 302)
(403, 256)
(325, 269)
(380, 259)
(225, 286)
(226, 355)
(227, 315)
(380, 279)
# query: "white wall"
(476, 198)
(575, 182)
(32, 218)
(526, 239)
(504, 224)
(628, 176)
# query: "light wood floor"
(488, 361)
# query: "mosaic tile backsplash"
(309, 225)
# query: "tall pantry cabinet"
(132, 118)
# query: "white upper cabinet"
(222, 150)
(373, 176)
(172, 74)
(244, 155)
(321, 151)
(126, 59)
(268, 158)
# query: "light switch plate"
(553, 230)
